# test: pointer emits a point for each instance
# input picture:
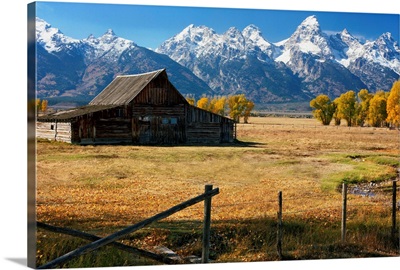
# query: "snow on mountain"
(79, 69)
(384, 51)
(108, 45)
(234, 61)
(346, 48)
(200, 41)
(308, 38)
(308, 62)
(255, 41)
(338, 62)
(52, 39)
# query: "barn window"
(174, 120)
(145, 118)
(165, 121)
(52, 127)
(120, 113)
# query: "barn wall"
(159, 114)
(207, 127)
(55, 131)
(111, 126)
(158, 124)
(159, 92)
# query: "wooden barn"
(137, 109)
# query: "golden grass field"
(100, 189)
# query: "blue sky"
(150, 25)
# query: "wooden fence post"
(344, 211)
(119, 234)
(394, 208)
(206, 226)
(279, 233)
(91, 237)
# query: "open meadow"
(101, 189)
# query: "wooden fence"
(394, 229)
(206, 197)
(110, 239)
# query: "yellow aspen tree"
(38, 105)
(190, 100)
(203, 103)
(362, 107)
(211, 104)
(323, 109)
(347, 106)
(43, 105)
(220, 106)
(377, 110)
(393, 105)
(337, 117)
(247, 111)
(236, 106)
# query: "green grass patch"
(360, 169)
(386, 160)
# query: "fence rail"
(206, 197)
(394, 230)
(209, 192)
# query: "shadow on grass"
(235, 143)
(243, 240)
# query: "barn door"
(144, 131)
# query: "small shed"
(137, 109)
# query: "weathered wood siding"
(207, 127)
(158, 124)
(158, 114)
(152, 111)
(55, 131)
(159, 92)
(103, 127)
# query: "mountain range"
(200, 61)
(71, 70)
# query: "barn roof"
(123, 89)
(75, 112)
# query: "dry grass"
(102, 188)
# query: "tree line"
(234, 106)
(381, 109)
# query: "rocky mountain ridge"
(200, 61)
(71, 69)
(313, 62)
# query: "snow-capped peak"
(109, 43)
(307, 30)
(194, 35)
(233, 35)
(201, 40)
(349, 39)
(308, 38)
(310, 21)
(90, 37)
(345, 33)
(254, 39)
(386, 40)
(385, 51)
(252, 33)
(49, 37)
(53, 40)
(251, 29)
(109, 32)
